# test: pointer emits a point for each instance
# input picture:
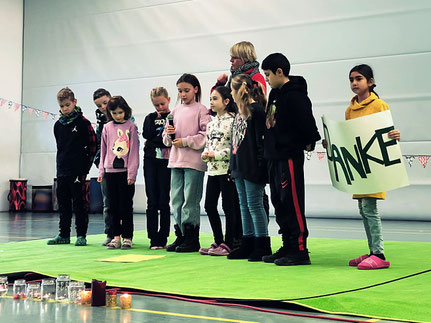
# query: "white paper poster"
(362, 159)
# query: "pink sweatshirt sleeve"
(133, 159)
(197, 141)
(102, 153)
(167, 141)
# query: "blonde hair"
(64, 94)
(247, 90)
(159, 91)
(244, 50)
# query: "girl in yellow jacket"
(366, 102)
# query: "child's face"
(217, 103)
(359, 84)
(236, 62)
(101, 103)
(187, 92)
(67, 106)
(118, 115)
(161, 104)
(275, 81)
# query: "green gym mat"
(401, 292)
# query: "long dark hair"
(193, 80)
(367, 72)
(225, 93)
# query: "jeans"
(372, 224)
(186, 195)
(254, 218)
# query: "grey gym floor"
(29, 226)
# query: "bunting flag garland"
(424, 160)
(2, 102)
(308, 154)
(320, 155)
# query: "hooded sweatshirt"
(370, 105)
(289, 121)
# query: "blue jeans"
(254, 219)
(186, 195)
(372, 224)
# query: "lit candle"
(126, 301)
(86, 297)
(111, 298)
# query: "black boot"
(178, 241)
(191, 239)
(294, 259)
(262, 247)
(278, 254)
(246, 248)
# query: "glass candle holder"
(75, 290)
(62, 288)
(33, 291)
(86, 297)
(3, 286)
(48, 289)
(126, 301)
(19, 289)
(111, 298)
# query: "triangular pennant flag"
(2, 102)
(16, 106)
(45, 115)
(37, 112)
(320, 155)
(308, 155)
(424, 160)
(10, 103)
(23, 107)
(30, 110)
(410, 159)
(53, 116)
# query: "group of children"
(245, 141)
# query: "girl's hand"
(130, 182)
(204, 156)
(222, 78)
(210, 155)
(325, 144)
(395, 134)
(178, 142)
(170, 130)
(99, 179)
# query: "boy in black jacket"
(291, 129)
(76, 147)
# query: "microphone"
(170, 118)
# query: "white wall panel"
(131, 46)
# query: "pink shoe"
(374, 262)
(221, 250)
(355, 262)
(204, 251)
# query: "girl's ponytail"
(247, 90)
(367, 72)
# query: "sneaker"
(373, 262)
(205, 251)
(58, 240)
(301, 258)
(278, 254)
(114, 244)
(355, 262)
(107, 240)
(127, 244)
(221, 250)
(80, 241)
(157, 247)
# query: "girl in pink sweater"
(119, 162)
(187, 137)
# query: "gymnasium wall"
(131, 46)
(11, 29)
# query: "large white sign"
(362, 159)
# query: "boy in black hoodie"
(76, 147)
(291, 129)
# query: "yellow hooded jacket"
(370, 105)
